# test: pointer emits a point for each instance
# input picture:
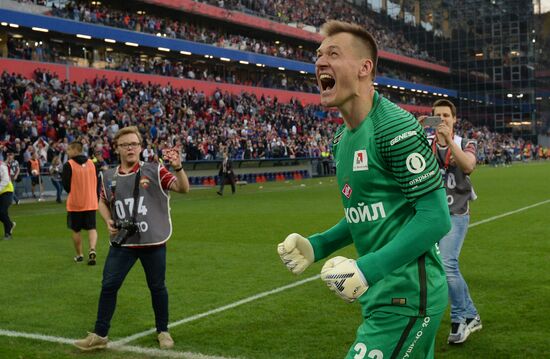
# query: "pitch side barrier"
(205, 173)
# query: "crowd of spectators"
(49, 52)
(501, 148)
(165, 66)
(180, 29)
(19, 48)
(417, 77)
(85, 11)
(45, 114)
(314, 13)
(222, 74)
(299, 11)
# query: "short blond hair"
(77, 146)
(333, 27)
(126, 131)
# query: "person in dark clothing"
(226, 174)
(6, 197)
(55, 172)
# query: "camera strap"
(135, 194)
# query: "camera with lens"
(126, 229)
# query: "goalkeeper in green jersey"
(395, 208)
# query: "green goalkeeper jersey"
(383, 166)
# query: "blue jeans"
(462, 307)
(117, 265)
(15, 198)
(58, 189)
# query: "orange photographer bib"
(83, 195)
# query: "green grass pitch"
(223, 250)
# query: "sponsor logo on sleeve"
(422, 178)
(347, 191)
(415, 163)
(360, 161)
(402, 137)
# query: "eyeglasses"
(128, 145)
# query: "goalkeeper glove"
(296, 253)
(343, 277)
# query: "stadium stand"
(206, 105)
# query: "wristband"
(178, 169)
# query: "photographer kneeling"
(135, 206)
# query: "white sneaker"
(459, 333)
(474, 324)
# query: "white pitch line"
(490, 219)
(45, 338)
(164, 353)
(295, 284)
(123, 348)
(218, 310)
(119, 345)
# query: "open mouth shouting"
(327, 82)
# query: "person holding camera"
(134, 203)
(456, 157)
(80, 182)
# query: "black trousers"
(231, 180)
(5, 202)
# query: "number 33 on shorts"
(389, 335)
(361, 351)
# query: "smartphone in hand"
(432, 121)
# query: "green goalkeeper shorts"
(389, 335)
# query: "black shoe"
(219, 193)
(78, 259)
(58, 200)
(91, 258)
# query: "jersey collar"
(133, 170)
(375, 102)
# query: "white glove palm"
(296, 253)
(343, 277)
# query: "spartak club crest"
(144, 182)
